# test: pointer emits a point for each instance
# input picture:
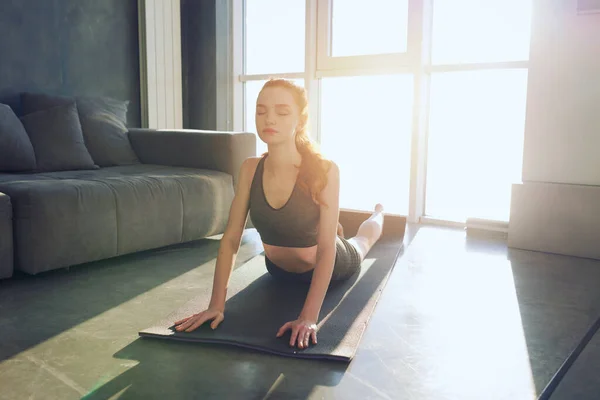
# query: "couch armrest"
(220, 151)
(6, 237)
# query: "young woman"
(292, 196)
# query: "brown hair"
(312, 177)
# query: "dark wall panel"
(199, 64)
(71, 47)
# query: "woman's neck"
(281, 157)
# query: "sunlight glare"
(469, 331)
(383, 30)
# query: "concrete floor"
(460, 318)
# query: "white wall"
(562, 130)
(160, 59)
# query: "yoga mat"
(258, 305)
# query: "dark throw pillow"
(103, 123)
(16, 151)
(34, 102)
(56, 136)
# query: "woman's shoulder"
(253, 160)
(248, 169)
(330, 166)
(249, 165)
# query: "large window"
(475, 31)
(420, 102)
(366, 130)
(477, 107)
(274, 36)
(383, 28)
(475, 143)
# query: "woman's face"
(277, 115)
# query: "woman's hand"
(302, 331)
(191, 323)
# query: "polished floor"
(460, 318)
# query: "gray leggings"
(347, 263)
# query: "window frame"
(319, 63)
(328, 65)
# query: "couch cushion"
(86, 215)
(22, 177)
(16, 151)
(57, 139)
(186, 203)
(103, 122)
(5, 206)
(61, 223)
(6, 237)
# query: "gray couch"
(180, 190)
(6, 239)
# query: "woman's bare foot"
(369, 231)
(340, 230)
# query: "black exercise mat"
(258, 305)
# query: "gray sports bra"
(295, 224)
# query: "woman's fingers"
(191, 321)
(295, 332)
(303, 336)
(300, 338)
(218, 319)
(202, 318)
(284, 328)
(187, 323)
(306, 338)
(183, 320)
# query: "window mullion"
(311, 83)
(420, 25)
(238, 27)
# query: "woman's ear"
(301, 122)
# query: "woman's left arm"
(305, 327)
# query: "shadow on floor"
(58, 300)
(186, 370)
(558, 301)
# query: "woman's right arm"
(228, 249)
(230, 243)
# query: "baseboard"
(478, 227)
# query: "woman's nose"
(270, 118)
